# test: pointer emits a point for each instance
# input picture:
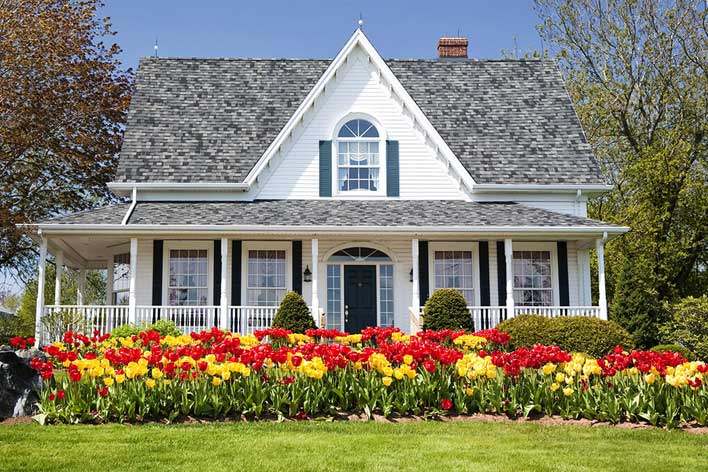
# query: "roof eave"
(125, 188)
(532, 188)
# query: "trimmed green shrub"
(674, 348)
(126, 331)
(688, 325)
(293, 314)
(592, 336)
(447, 309)
(165, 328)
(527, 330)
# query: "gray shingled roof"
(209, 120)
(345, 213)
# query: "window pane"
(266, 277)
(532, 278)
(188, 277)
(453, 269)
(386, 295)
(334, 297)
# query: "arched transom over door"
(359, 289)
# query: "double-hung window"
(533, 281)
(358, 157)
(188, 279)
(453, 269)
(266, 277)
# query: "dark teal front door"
(359, 297)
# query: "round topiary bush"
(592, 336)
(447, 309)
(293, 314)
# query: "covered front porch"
(235, 281)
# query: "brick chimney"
(452, 48)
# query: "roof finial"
(155, 46)
(360, 22)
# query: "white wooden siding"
(567, 203)
(357, 90)
(143, 289)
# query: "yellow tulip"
(567, 391)
(216, 381)
(386, 381)
(554, 386)
(150, 383)
(107, 381)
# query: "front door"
(359, 297)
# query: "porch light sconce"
(410, 276)
(307, 275)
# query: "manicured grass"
(270, 447)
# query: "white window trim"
(265, 246)
(472, 246)
(170, 245)
(359, 194)
(552, 247)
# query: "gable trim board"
(360, 39)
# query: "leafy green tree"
(64, 99)
(636, 71)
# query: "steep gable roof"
(211, 120)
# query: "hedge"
(592, 336)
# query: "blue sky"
(307, 29)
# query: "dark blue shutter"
(563, 273)
(484, 297)
(157, 253)
(501, 273)
(392, 173)
(423, 271)
(216, 296)
(236, 272)
(297, 267)
(325, 168)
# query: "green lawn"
(270, 447)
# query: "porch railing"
(487, 317)
(247, 319)
(187, 318)
(88, 319)
(558, 311)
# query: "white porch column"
(109, 281)
(80, 286)
(59, 262)
(315, 274)
(132, 301)
(509, 258)
(224, 301)
(415, 289)
(41, 274)
(602, 294)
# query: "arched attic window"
(358, 157)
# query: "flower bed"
(275, 373)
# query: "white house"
(362, 183)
